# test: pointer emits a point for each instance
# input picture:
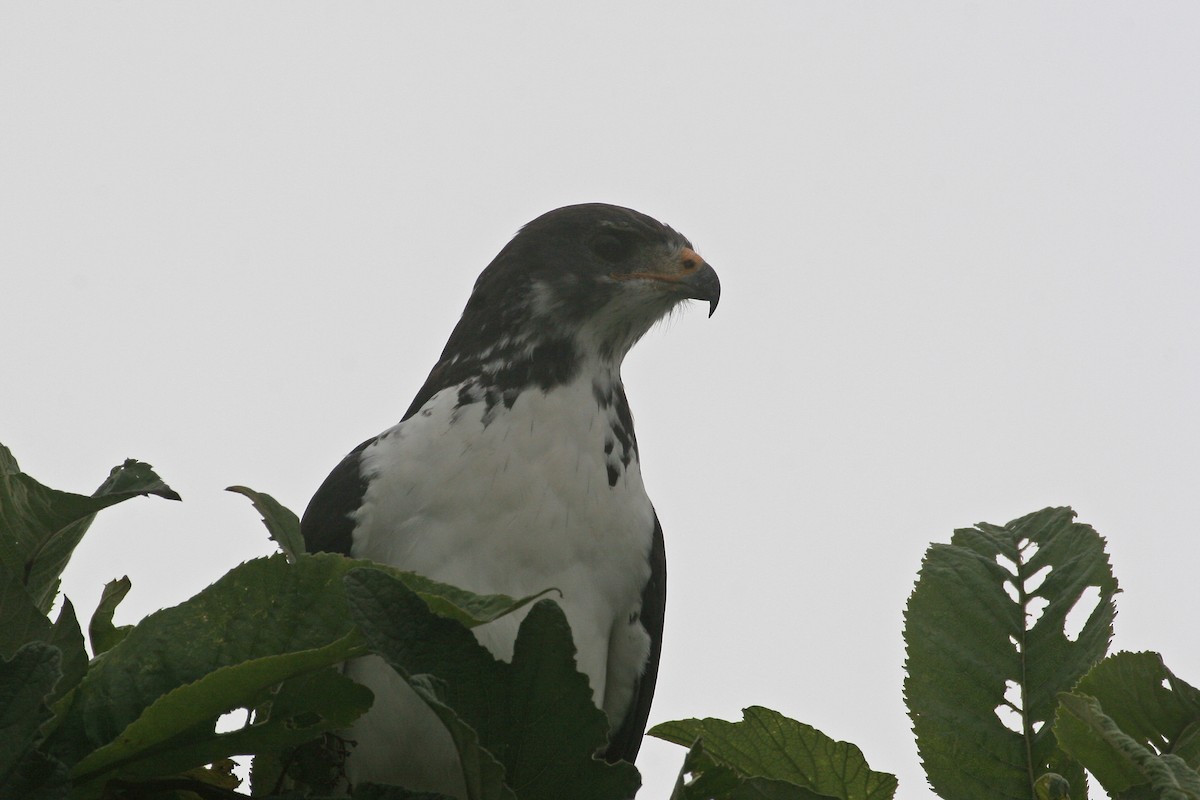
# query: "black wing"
(627, 739)
(327, 525)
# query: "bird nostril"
(689, 264)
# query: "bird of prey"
(516, 469)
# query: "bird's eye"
(613, 246)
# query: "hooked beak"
(705, 285)
(688, 272)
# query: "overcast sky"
(958, 243)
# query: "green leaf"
(1148, 702)
(1117, 759)
(267, 771)
(773, 756)
(283, 526)
(534, 716)
(483, 774)
(101, 631)
(969, 642)
(40, 527)
(27, 681)
(261, 609)
(66, 636)
(1095, 740)
(701, 778)
(175, 733)
(21, 623)
(20, 620)
(465, 608)
(337, 703)
(1145, 702)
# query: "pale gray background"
(958, 244)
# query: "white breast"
(514, 506)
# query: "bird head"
(599, 275)
(581, 283)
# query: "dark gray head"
(592, 267)
(579, 282)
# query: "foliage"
(976, 652)
(990, 638)
(768, 754)
(42, 526)
(1134, 723)
(481, 700)
(1009, 696)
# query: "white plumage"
(527, 497)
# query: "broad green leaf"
(66, 636)
(40, 527)
(465, 608)
(551, 703)
(263, 608)
(176, 732)
(267, 771)
(398, 627)
(283, 526)
(1145, 702)
(1094, 740)
(27, 681)
(971, 638)
(483, 774)
(701, 778)
(1117, 759)
(21, 623)
(767, 749)
(101, 631)
(20, 620)
(303, 708)
(534, 715)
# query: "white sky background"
(958, 245)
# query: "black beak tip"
(703, 285)
(712, 290)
